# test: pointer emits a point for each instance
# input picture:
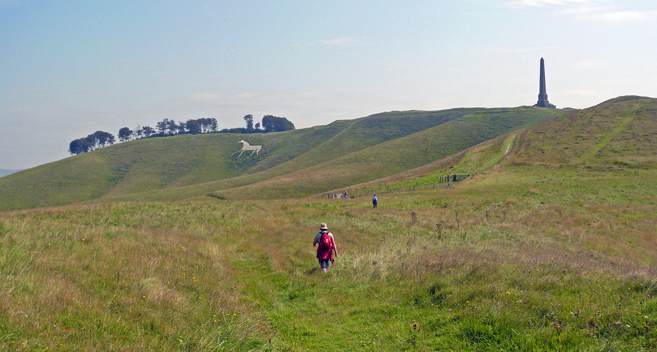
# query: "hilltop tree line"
(91, 142)
(167, 127)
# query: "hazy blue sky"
(70, 68)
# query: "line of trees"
(96, 140)
(270, 123)
(166, 127)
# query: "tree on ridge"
(273, 123)
(249, 123)
(125, 134)
(96, 140)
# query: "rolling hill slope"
(620, 131)
(391, 157)
(615, 137)
(180, 167)
(394, 156)
(552, 250)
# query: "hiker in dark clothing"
(374, 201)
(326, 247)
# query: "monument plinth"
(542, 92)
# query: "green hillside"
(620, 131)
(474, 160)
(617, 134)
(394, 156)
(186, 166)
(551, 250)
(305, 175)
(614, 136)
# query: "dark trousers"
(324, 263)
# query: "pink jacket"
(323, 253)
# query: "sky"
(70, 68)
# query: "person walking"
(325, 246)
(375, 200)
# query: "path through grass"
(519, 259)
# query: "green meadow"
(548, 246)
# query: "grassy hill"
(394, 156)
(308, 173)
(552, 250)
(614, 136)
(474, 160)
(619, 132)
(182, 167)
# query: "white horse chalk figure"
(246, 146)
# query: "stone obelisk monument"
(542, 93)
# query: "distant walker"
(246, 146)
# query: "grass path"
(514, 282)
(507, 147)
(624, 122)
